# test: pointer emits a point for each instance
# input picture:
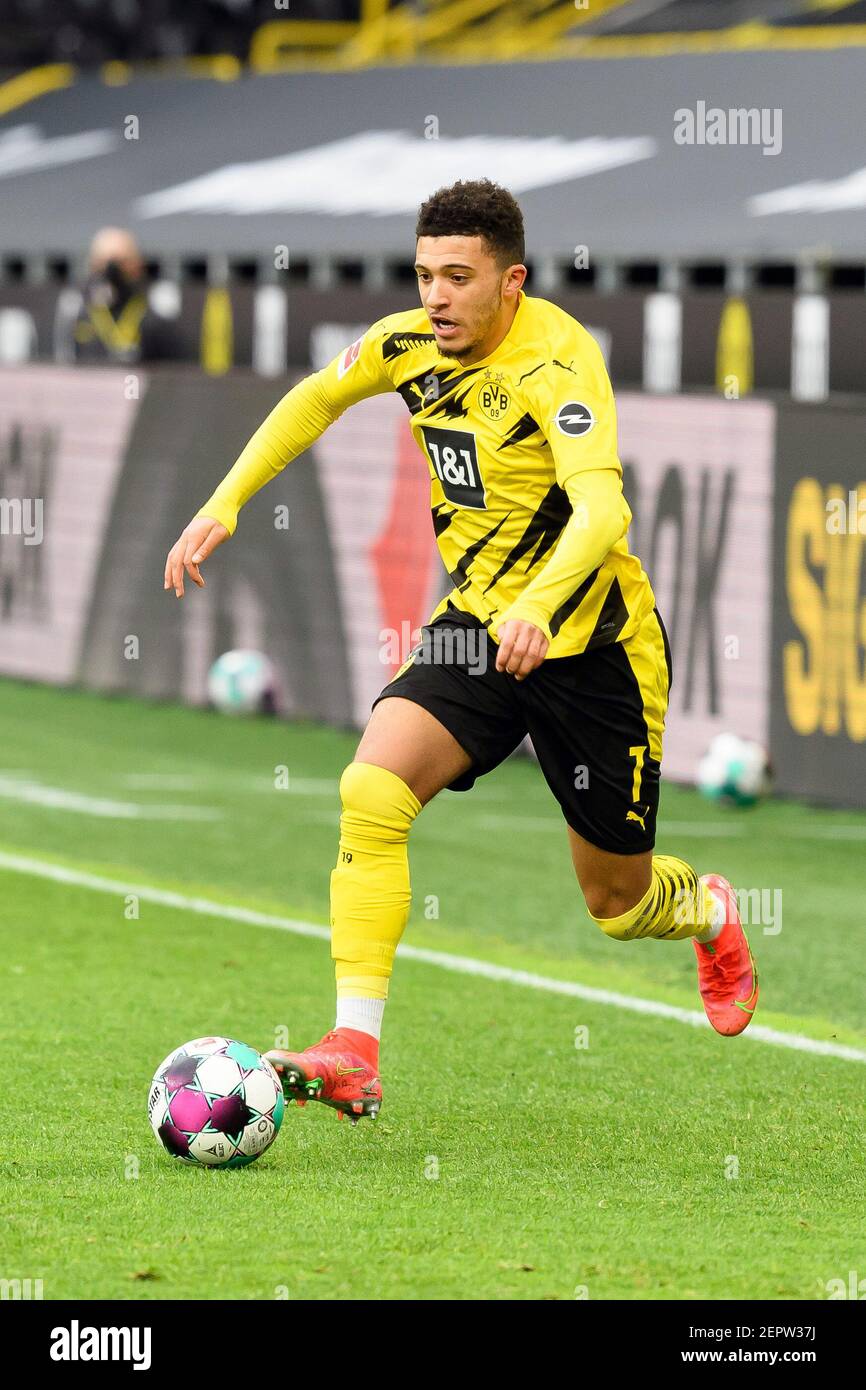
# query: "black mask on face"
(116, 277)
(111, 286)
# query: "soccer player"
(550, 628)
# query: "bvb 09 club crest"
(493, 399)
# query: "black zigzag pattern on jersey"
(524, 429)
(441, 519)
(611, 620)
(453, 406)
(419, 393)
(397, 343)
(458, 574)
(545, 527)
(568, 606)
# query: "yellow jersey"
(525, 483)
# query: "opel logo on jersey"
(574, 418)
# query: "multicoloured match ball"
(216, 1103)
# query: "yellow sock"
(674, 907)
(370, 890)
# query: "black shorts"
(596, 720)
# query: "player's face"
(470, 302)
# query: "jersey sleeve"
(572, 400)
(599, 517)
(575, 408)
(298, 420)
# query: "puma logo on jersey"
(633, 815)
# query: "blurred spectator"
(112, 318)
(89, 32)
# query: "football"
(243, 682)
(216, 1103)
(735, 770)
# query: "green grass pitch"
(659, 1161)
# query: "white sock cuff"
(714, 928)
(364, 1015)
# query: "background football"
(734, 769)
(243, 682)
(215, 1102)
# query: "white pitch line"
(162, 781)
(59, 799)
(263, 783)
(462, 965)
(329, 787)
(233, 782)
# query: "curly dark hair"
(476, 207)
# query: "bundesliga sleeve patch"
(349, 357)
(574, 419)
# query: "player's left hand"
(522, 647)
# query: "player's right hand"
(193, 545)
